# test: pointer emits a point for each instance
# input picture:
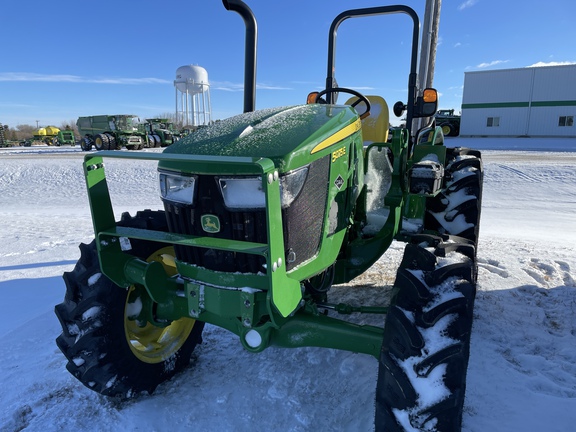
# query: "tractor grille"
(302, 222)
(304, 218)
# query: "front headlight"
(247, 193)
(177, 188)
(242, 192)
(291, 185)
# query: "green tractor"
(448, 122)
(263, 213)
(65, 137)
(161, 132)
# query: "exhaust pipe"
(250, 51)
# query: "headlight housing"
(177, 188)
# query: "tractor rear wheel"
(107, 349)
(456, 209)
(426, 345)
(157, 141)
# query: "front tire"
(101, 142)
(425, 350)
(106, 351)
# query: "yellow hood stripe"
(338, 136)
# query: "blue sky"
(76, 58)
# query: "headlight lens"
(242, 193)
(177, 188)
(247, 193)
(291, 185)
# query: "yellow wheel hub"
(153, 344)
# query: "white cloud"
(492, 63)
(467, 4)
(541, 64)
(457, 44)
(35, 77)
(235, 87)
(270, 87)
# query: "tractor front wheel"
(107, 349)
(426, 345)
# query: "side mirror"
(399, 108)
(427, 104)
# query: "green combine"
(266, 211)
(111, 132)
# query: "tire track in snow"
(519, 173)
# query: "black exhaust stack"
(250, 50)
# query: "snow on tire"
(106, 350)
(424, 358)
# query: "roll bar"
(379, 10)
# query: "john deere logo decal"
(210, 223)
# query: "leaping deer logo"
(210, 223)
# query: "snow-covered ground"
(522, 372)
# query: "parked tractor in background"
(263, 213)
(448, 121)
(161, 132)
(111, 132)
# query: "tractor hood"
(287, 135)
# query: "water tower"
(192, 96)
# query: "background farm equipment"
(449, 122)
(51, 135)
(263, 213)
(161, 132)
(3, 140)
(111, 132)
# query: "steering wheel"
(360, 96)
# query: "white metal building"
(533, 101)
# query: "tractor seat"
(375, 126)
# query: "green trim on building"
(554, 103)
(519, 104)
(496, 105)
